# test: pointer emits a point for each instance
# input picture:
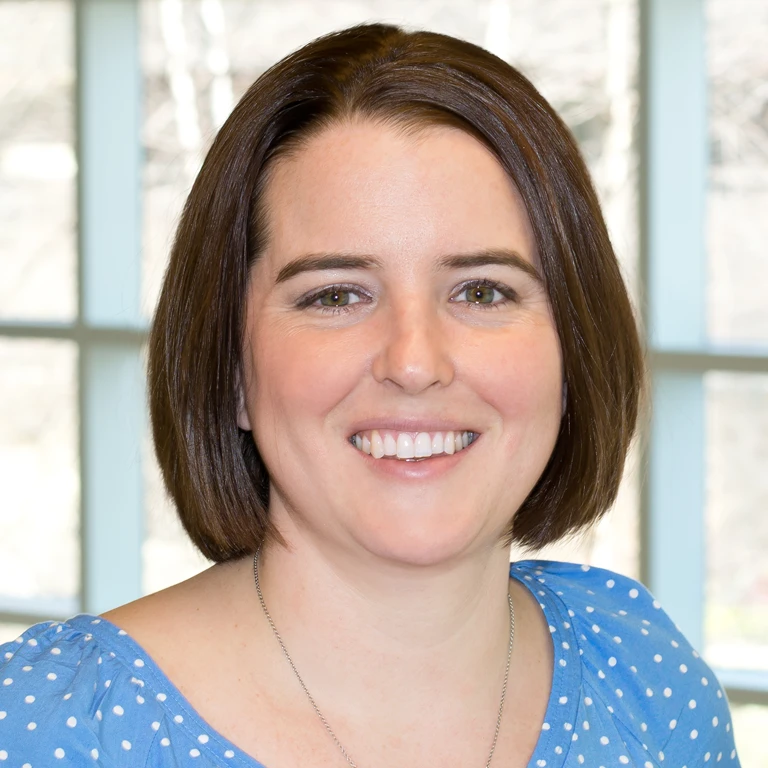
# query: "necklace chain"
(328, 728)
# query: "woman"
(393, 338)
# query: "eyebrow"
(315, 262)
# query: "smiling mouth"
(411, 446)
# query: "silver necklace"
(317, 709)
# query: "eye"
(337, 297)
(333, 298)
(484, 292)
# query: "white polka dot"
(29, 699)
(623, 759)
(58, 752)
(118, 710)
(139, 699)
(694, 733)
(31, 726)
(644, 631)
(3, 754)
(612, 661)
(683, 668)
(588, 701)
(55, 651)
(161, 697)
(194, 752)
(178, 719)
(155, 726)
(657, 658)
(563, 699)
(715, 721)
(707, 755)
(71, 722)
(107, 683)
(661, 756)
(601, 674)
(98, 714)
(674, 643)
(603, 740)
(138, 663)
(229, 753)
(667, 692)
(672, 725)
(581, 759)
(558, 750)
(633, 593)
(610, 583)
(203, 738)
(165, 741)
(595, 628)
(585, 568)
(32, 642)
(568, 726)
(8, 681)
(26, 669)
(67, 696)
(648, 692)
(122, 633)
(643, 727)
(704, 681)
(657, 605)
(563, 662)
(590, 609)
(616, 639)
(51, 675)
(585, 725)
(95, 754)
(545, 726)
(3, 713)
(126, 745)
(692, 704)
(619, 692)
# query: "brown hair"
(212, 469)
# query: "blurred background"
(107, 108)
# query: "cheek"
(522, 379)
(301, 375)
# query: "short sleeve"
(61, 702)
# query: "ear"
(243, 420)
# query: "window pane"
(10, 632)
(39, 547)
(37, 162)
(737, 523)
(750, 724)
(738, 172)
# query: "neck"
(356, 623)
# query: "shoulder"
(66, 693)
(636, 661)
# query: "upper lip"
(410, 424)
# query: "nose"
(414, 353)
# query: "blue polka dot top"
(627, 690)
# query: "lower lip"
(426, 469)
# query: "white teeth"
(405, 449)
(423, 445)
(390, 446)
(403, 446)
(377, 445)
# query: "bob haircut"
(413, 81)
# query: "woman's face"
(398, 304)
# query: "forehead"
(366, 187)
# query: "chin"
(424, 543)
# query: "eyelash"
(308, 301)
